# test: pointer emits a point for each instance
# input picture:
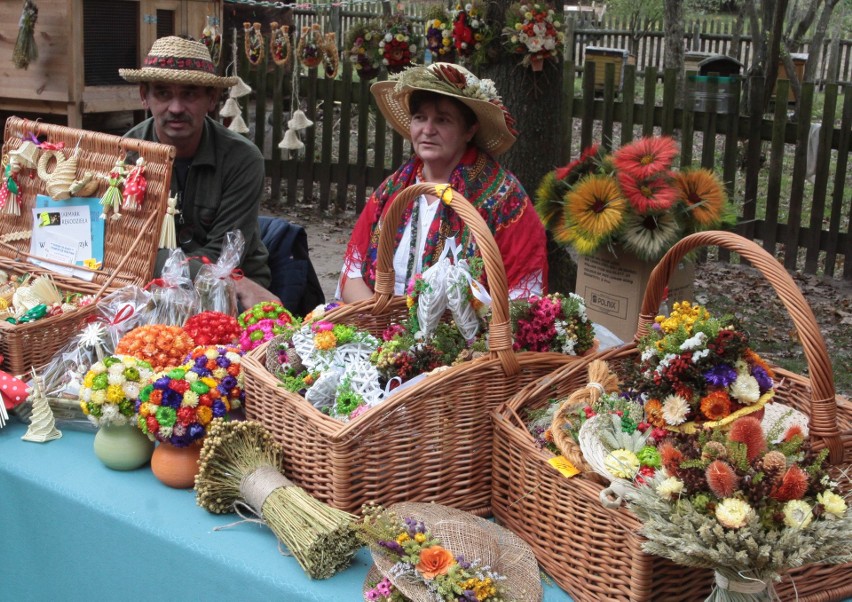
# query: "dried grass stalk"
(240, 463)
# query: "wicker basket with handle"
(130, 243)
(428, 442)
(595, 553)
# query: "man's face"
(179, 112)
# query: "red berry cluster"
(212, 328)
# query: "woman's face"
(439, 133)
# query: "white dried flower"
(675, 409)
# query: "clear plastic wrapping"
(173, 293)
(215, 282)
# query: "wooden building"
(81, 45)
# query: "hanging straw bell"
(239, 89)
(27, 154)
(231, 108)
(291, 141)
(238, 125)
(59, 184)
(299, 121)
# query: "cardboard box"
(613, 287)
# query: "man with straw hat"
(218, 175)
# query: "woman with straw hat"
(218, 175)
(457, 124)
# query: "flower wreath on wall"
(362, 48)
(439, 35)
(534, 32)
(400, 43)
(470, 33)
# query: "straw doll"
(134, 186)
(10, 187)
(112, 196)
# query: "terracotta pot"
(122, 447)
(537, 63)
(176, 466)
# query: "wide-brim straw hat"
(496, 133)
(176, 60)
(473, 537)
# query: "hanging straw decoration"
(239, 468)
(168, 237)
(280, 48)
(26, 51)
(298, 120)
(85, 186)
(112, 197)
(238, 125)
(310, 48)
(231, 108)
(10, 186)
(330, 56)
(291, 141)
(211, 38)
(58, 185)
(253, 43)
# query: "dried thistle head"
(792, 486)
(774, 461)
(749, 432)
(713, 450)
(721, 479)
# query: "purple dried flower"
(721, 375)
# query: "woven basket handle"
(499, 329)
(823, 406)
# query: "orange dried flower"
(716, 405)
(671, 457)
(794, 431)
(654, 413)
(721, 479)
(793, 485)
(434, 561)
(160, 345)
(748, 431)
(753, 358)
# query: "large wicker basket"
(428, 442)
(130, 243)
(595, 553)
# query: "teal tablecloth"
(72, 529)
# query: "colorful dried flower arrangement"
(111, 387)
(399, 45)
(362, 49)
(161, 346)
(262, 322)
(402, 355)
(554, 322)
(418, 555)
(470, 32)
(439, 35)
(212, 328)
(631, 198)
(749, 502)
(311, 46)
(179, 404)
(696, 369)
(222, 363)
(533, 30)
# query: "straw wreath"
(239, 465)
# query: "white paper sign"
(62, 234)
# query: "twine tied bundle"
(239, 464)
(601, 380)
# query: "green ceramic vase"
(122, 447)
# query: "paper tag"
(562, 464)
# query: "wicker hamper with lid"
(428, 442)
(595, 553)
(130, 243)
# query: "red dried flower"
(794, 431)
(212, 328)
(646, 156)
(793, 485)
(748, 431)
(721, 479)
(648, 195)
(671, 458)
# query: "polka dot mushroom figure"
(134, 186)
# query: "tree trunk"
(818, 40)
(775, 36)
(734, 50)
(535, 101)
(673, 26)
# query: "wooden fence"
(764, 161)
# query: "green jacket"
(223, 190)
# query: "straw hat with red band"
(177, 60)
(496, 133)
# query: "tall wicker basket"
(130, 243)
(428, 442)
(595, 553)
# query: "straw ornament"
(134, 186)
(58, 186)
(299, 121)
(168, 238)
(10, 187)
(211, 38)
(239, 89)
(253, 43)
(291, 141)
(239, 468)
(230, 109)
(330, 56)
(85, 186)
(600, 381)
(27, 154)
(112, 197)
(310, 48)
(280, 48)
(42, 427)
(44, 163)
(238, 125)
